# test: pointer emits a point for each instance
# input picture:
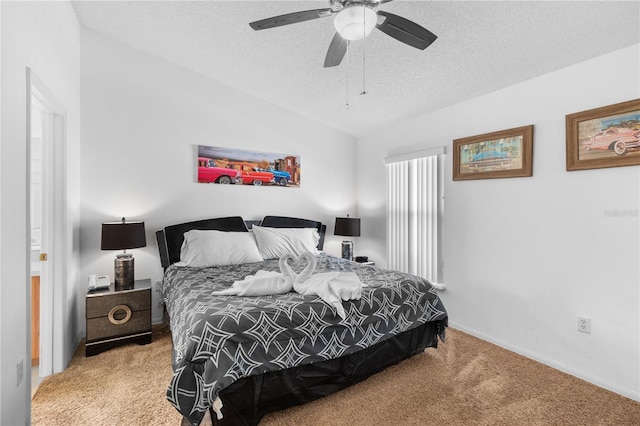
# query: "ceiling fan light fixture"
(355, 22)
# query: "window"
(414, 214)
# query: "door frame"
(53, 292)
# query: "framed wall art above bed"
(242, 357)
(243, 167)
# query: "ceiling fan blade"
(290, 18)
(337, 49)
(405, 31)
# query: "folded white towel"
(263, 283)
(332, 287)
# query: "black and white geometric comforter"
(219, 339)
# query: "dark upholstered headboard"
(171, 237)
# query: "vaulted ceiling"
(482, 46)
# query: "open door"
(48, 222)
(35, 203)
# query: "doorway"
(36, 205)
(46, 139)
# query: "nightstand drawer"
(101, 306)
(102, 327)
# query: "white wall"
(46, 38)
(142, 121)
(525, 256)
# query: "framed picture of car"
(504, 154)
(243, 167)
(604, 137)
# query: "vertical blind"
(414, 205)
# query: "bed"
(255, 355)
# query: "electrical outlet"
(20, 372)
(584, 324)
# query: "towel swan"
(332, 287)
(264, 283)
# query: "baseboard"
(628, 393)
(71, 350)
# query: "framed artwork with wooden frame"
(503, 154)
(604, 137)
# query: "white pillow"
(273, 243)
(215, 248)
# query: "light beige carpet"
(466, 381)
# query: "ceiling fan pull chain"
(364, 53)
(347, 104)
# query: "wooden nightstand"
(115, 317)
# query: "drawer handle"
(118, 309)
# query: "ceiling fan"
(354, 20)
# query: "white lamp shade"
(355, 22)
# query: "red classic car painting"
(255, 168)
(617, 139)
(250, 173)
(209, 173)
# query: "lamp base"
(347, 250)
(123, 268)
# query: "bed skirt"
(249, 399)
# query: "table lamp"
(122, 236)
(348, 227)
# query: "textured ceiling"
(482, 46)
